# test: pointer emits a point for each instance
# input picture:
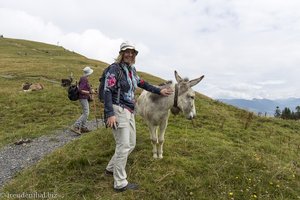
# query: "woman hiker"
(85, 90)
(119, 108)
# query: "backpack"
(102, 83)
(73, 92)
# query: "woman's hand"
(92, 91)
(112, 122)
(166, 91)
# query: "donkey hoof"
(155, 156)
(160, 156)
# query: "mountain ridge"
(263, 105)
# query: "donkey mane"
(186, 79)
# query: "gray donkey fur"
(155, 109)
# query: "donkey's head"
(185, 96)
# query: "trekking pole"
(102, 117)
(95, 109)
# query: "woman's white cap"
(87, 71)
(128, 45)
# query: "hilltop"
(225, 153)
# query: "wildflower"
(230, 193)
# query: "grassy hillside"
(226, 153)
(32, 114)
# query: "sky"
(245, 48)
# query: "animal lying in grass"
(27, 87)
(155, 109)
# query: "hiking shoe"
(85, 130)
(75, 130)
(108, 173)
(129, 186)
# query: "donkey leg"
(161, 137)
(153, 138)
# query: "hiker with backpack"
(120, 82)
(85, 90)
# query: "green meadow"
(224, 154)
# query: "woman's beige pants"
(125, 137)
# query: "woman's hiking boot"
(75, 130)
(129, 186)
(85, 130)
(108, 173)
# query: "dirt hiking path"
(14, 158)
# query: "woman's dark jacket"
(129, 81)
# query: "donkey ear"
(177, 77)
(195, 81)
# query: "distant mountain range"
(263, 105)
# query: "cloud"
(92, 43)
(272, 82)
(247, 49)
(19, 24)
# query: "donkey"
(155, 109)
